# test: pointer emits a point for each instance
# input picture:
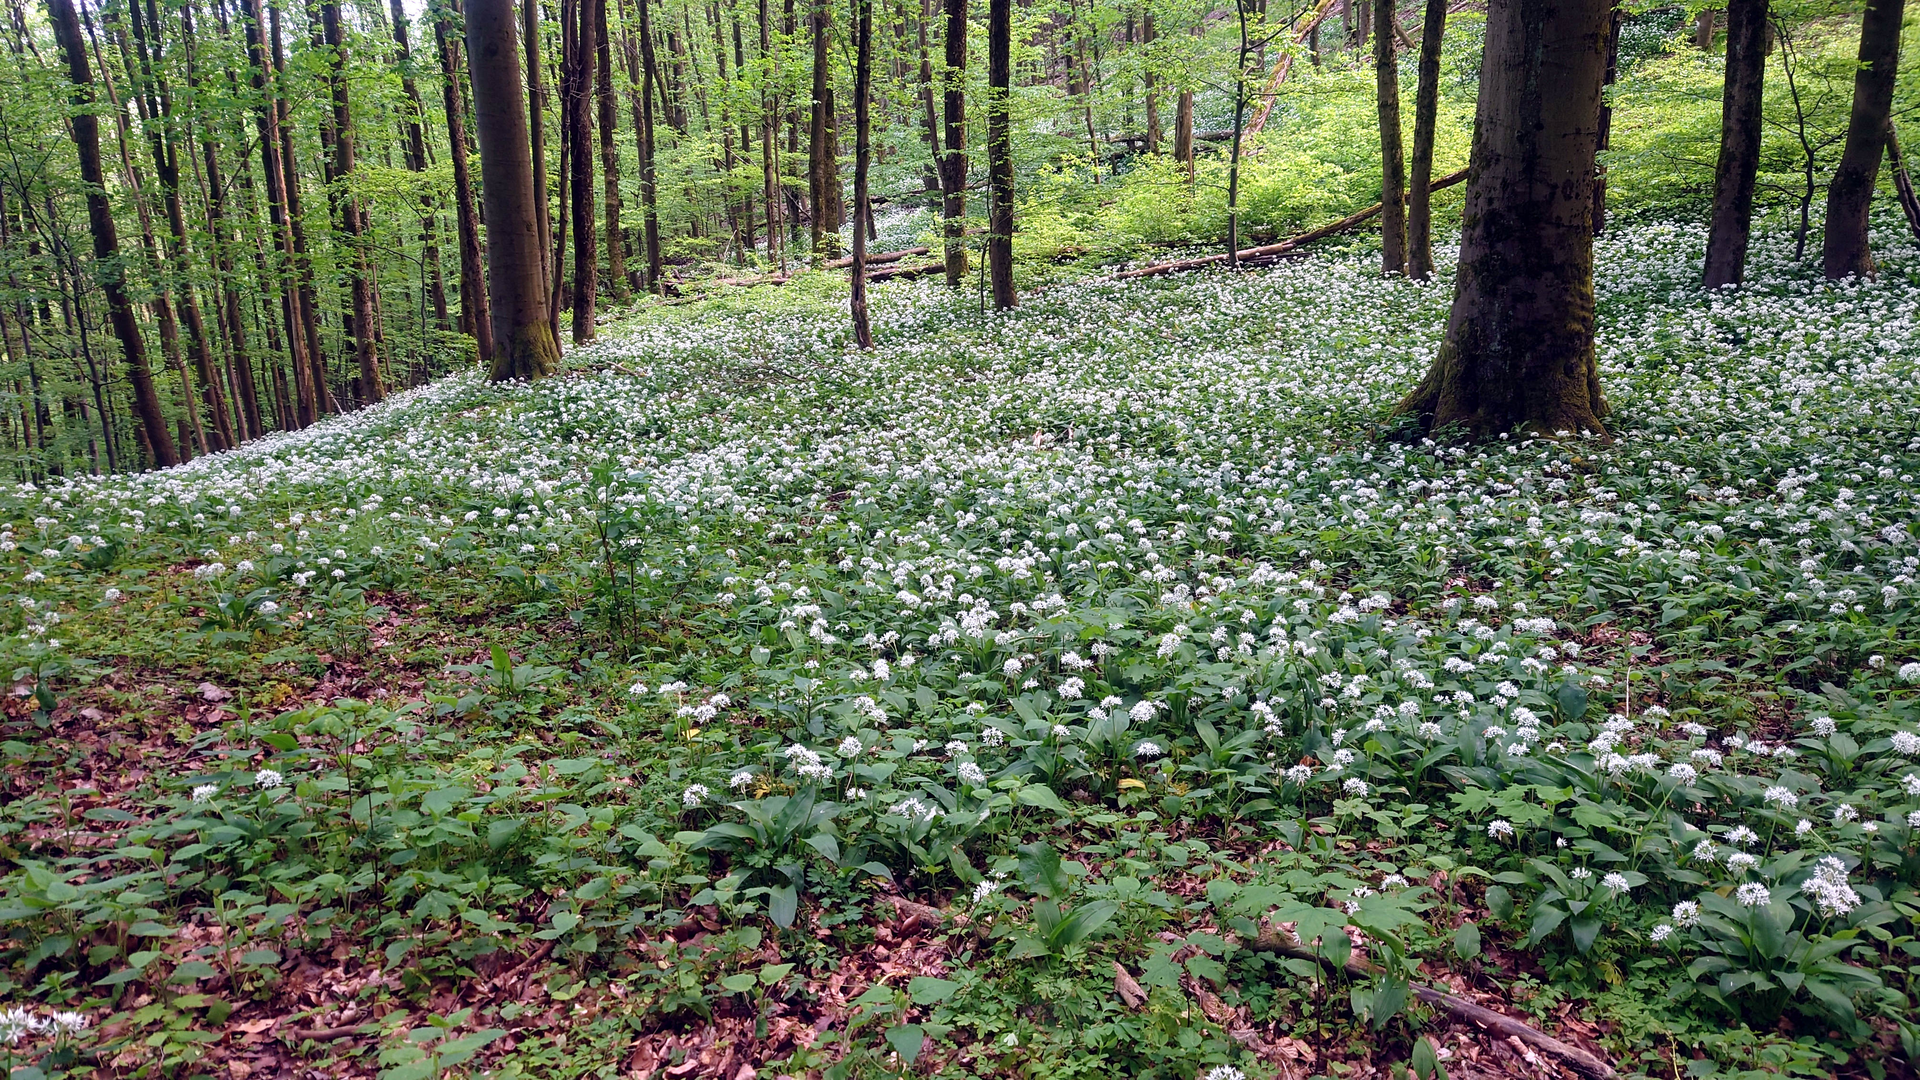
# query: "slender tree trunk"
(417, 164)
(1241, 58)
(523, 345)
(1000, 152)
(616, 240)
(581, 53)
(475, 316)
(649, 187)
(769, 144)
(863, 211)
(1393, 166)
(740, 117)
(1518, 353)
(1151, 82)
(352, 225)
(1605, 140)
(1847, 249)
(315, 380)
(820, 139)
(157, 102)
(108, 269)
(953, 159)
(1902, 183)
(1426, 112)
(1740, 130)
(931, 114)
(1703, 30)
(536, 108)
(1183, 132)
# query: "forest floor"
(736, 704)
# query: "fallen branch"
(1270, 251)
(1285, 66)
(1279, 940)
(874, 259)
(327, 1034)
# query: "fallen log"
(875, 259)
(1269, 251)
(902, 273)
(1280, 940)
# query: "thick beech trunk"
(108, 269)
(1739, 164)
(1393, 165)
(1847, 249)
(862, 210)
(953, 158)
(1518, 353)
(1426, 113)
(1000, 152)
(523, 345)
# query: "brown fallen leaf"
(210, 692)
(1128, 989)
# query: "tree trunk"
(953, 159)
(1426, 112)
(536, 107)
(1605, 139)
(359, 283)
(863, 211)
(769, 159)
(1703, 30)
(417, 163)
(523, 345)
(819, 138)
(1393, 165)
(475, 316)
(1740, 130)
(1150, 84)
(1183, 131)
(1000, 152)
(1903, 184)
(1847, 249)
(649, 187)
(166, 166)
(108, 268)
(1518, 354)
(616, 240)
(314, 379)
(930, 112)
(580, 60)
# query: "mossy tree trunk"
(1518, 354)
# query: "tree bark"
(1740, 129)
(863, 211)
(953, 158)
(820, 177)
(578, 104)
(649, 188)
(476, 318)
(1000, 152)
(1393, 165)
(536, 106)
(1605, 138)
(1426, 115)
(352, 225)
(1518, 354)
(166, 166)
(1183, 131)
(1150, 84)
(930, 112)
(314, 380)
(1847, 248)
(616, 240)
(1703, 29)
(769, 118)
(417, 163)
(523, 345)
(108, 269)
